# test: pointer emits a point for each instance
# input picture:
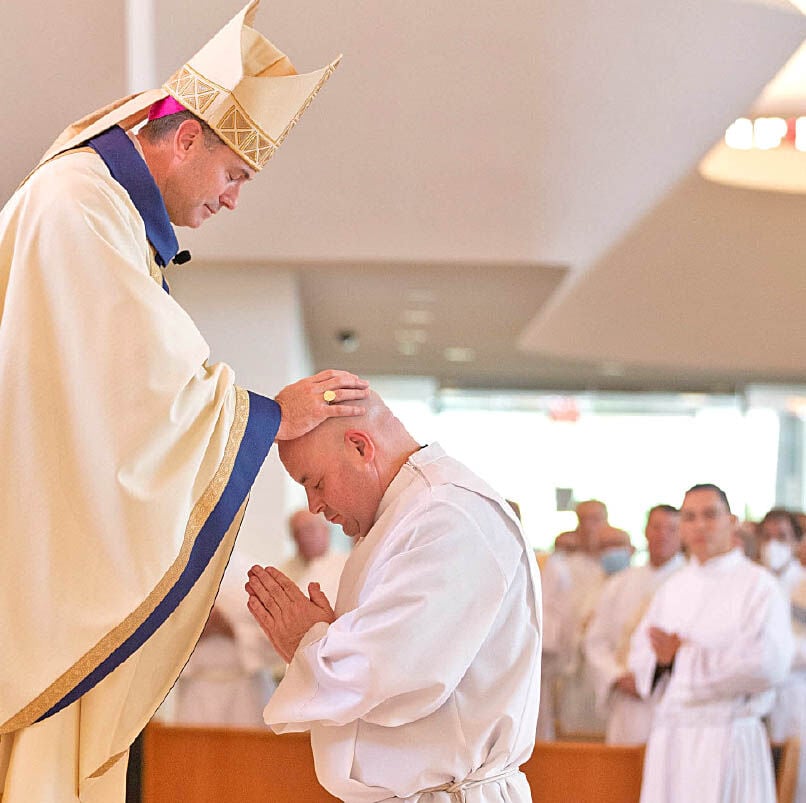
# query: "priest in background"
(712, 647)
(782, 552)
(779, 539)
(315, 560)
(624, 600)
(573, 578)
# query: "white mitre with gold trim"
(239, 83)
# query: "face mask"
(775, 554)
(614, 560)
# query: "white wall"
(251, 318)
(59, 61)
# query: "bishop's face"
(706, 524)
(203, 182)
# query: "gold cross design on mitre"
(245, 138)
(191, 90)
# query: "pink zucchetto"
(164, 107)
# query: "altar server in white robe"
(713, 644)
(424, 683)
(128, 459)
(789, 717)
(621, 606)
(573, 579)
(780, 537)
(779, 542)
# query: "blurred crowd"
(695, 647)
(700, 642)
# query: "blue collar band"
(130, 171)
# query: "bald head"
(592, 518)
(346, 463)
(377, 420)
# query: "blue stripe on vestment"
(129, 169)
(261, 427)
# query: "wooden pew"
(560, 772)
(227, 765)
(786, 758)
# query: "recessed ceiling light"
(459, 354)
(417, 317)
(408, 348)
(420, 296)
(766, 150)
(411, 335)
(611, 369)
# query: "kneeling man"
(424, 683)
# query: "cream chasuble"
(707, 741)
(430, 674)
(227, 680)
(623, 603)
(128, 464)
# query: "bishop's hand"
(307, 403)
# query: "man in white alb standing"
(713, 644)
(624, 601)
(573, 578)
(780, 537)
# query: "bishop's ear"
(360, 445)
(188, 133)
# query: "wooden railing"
(227, 765)
(223, 765)
(562, 772)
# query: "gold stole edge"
(112, 640)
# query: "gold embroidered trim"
(112, 640)
(238, 130)
(236, 127)
(314, 92)
(193, 90)
(107, 765)
(154, 268)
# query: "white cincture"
(457, 788)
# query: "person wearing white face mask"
(781, 538)
(573, 578)
(624, 600)
(779, 535)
